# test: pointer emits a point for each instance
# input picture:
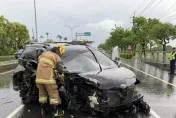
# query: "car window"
(85, 62)
(29, 53)
(104, 60)
(81, 63)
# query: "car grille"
(117, 97)
(128, 94)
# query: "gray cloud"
(96, 16)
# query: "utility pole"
(33, 37)
(35, 21)
(133, 18)
(76, 35)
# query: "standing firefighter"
(172, 61)
(49, 61)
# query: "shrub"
(126, 55)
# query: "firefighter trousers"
(50, 90)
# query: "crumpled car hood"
(19, 68)
(111, 78)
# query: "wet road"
(9, 99)
(160, 95)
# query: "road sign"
(87, 33)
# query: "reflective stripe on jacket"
(172, 56)
(46, 66)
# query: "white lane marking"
(154, 114)
(6, 72)
(150, 75)
(15, 111)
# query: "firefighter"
(172, 61)
(49, 61)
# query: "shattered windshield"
(29, 53)
(85, 62)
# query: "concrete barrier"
(8, 67)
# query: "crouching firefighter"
(49, 61)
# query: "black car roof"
(70, 49)
(74, 49)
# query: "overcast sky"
(95, 16)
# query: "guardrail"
(7, 58)
(8, 66)
(154, 57)
(8, 62)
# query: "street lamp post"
(35, 21)
(72, 29)
(47, 35)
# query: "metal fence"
(154, 56)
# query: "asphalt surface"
(161, 96)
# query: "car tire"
(23, 100)
(144, 107)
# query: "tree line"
(51, 40)
(145, 34)
(13, 36)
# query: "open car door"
(116, 55)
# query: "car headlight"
(123, 86)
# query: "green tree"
(65, 39)
(119, 37)
(48, 41)
(21, 34)
(140, 30)
(4, 39)
(60, 37)
(13, 36)
(164, 32)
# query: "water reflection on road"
(160, 96)
(9, 99)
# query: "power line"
(140, 5)
(149, 4)
(153, 7)
(171, 20)
(166, 11)
(143, 4)
(170, 17)
(138, 8)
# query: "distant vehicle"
(93, 82)
(18, 54)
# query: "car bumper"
(126, 106)
(122, 107)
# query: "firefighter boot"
(57, 111)
(43, 110)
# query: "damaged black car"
(93, 82)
